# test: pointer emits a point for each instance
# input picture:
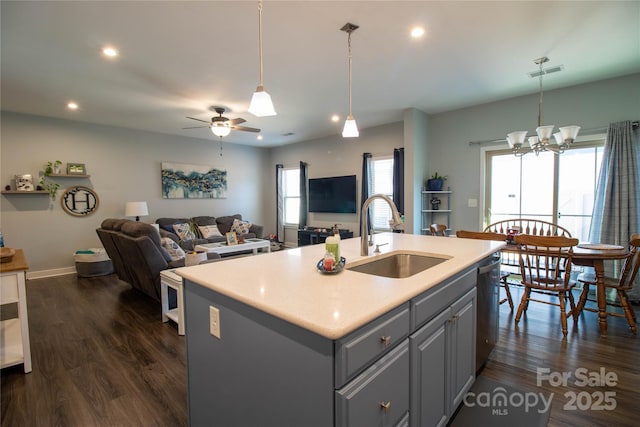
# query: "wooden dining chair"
(438, 230)
(545, 265)
(628, 275)
(504, 274)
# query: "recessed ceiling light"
(72, 105)
(110, 51)
(259, 137)
(335, 118)
(417, 32)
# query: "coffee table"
(223, 248)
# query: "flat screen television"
(336, 194)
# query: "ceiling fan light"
(220, 130)
(261, 104)
(350, 129)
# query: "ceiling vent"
(545, 71)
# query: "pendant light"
(350, 129)
(261, 104)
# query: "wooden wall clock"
(79, 201)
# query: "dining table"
(592, 255)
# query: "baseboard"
(50, 273)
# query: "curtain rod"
(586, 131)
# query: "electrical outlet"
(214, 321)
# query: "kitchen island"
(301, 348)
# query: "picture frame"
(76, 169)
(24, 182)
(232, 238)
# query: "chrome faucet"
(366, 240)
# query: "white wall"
(124, 166)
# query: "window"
(554, 188)
(291, 194)
(381, 182)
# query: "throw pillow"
(175, 252)
(208, 231)
(184, 231)
(240, 227)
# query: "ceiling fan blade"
(245, 129)
(203, 121)
(196, 127)
(236, 121)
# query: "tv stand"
(312, 235)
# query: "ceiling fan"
(221, 126)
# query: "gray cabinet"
(443, 363)
(410, 366)
(380, 395)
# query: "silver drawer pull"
(386, 340)
(386, 406)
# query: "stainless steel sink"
(397, 265)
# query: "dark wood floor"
(102, 357)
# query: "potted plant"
(53, 168)
(50, 186)
(436, 182)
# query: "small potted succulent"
(436, 182)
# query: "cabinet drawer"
(9, 288)
(424, 307)
(380, 395)
(357, 350)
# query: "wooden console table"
(14, 333)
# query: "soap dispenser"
(332, 245)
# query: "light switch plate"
(214, 321)
(473, 203)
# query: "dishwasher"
(488, 296)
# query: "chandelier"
(545, 140)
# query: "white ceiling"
(178, 58)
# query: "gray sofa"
(137, 254)
(223, 223)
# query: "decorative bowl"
(336, 269)
(6, 254)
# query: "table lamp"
(136, 209)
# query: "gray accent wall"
(590, 106)
(124, 165)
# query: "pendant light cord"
(540, 98)
(349, 45)
(260, 39)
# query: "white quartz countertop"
(286, 283)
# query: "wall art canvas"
(184, 181)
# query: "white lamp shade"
(569, 133)
(136, 209)
(558, 138)
(261, 104)
(516, 139)
(544, 133)
(533, 141)
(220, 129)
(350, 129)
